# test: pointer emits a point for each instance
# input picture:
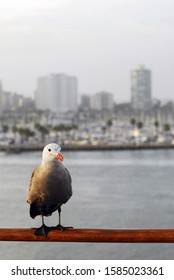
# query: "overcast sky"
(98, 41)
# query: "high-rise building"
(141, 88)
(16, 102)
(72, 94)
(103, 101)
(41, 94)
(6, 101)
(57, 93)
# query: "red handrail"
(91, 235)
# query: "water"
(126, 189)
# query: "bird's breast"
(50, 184)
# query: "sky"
(98, 41)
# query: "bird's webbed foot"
(61, 228)
(43, 230)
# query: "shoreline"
(33, 148)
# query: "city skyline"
(45, 83)
(98, 42)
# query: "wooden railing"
(91, 235)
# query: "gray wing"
(31, 182)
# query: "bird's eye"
(49, 150)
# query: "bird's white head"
(51, 152)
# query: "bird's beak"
(59, 156)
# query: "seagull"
(50, 187)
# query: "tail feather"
(35, 210)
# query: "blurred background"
(96, 77)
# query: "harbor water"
(111, 189)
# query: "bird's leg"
(43, 230)
(59, 213)
(59, 226)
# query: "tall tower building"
(103, 101)
(41, 94)
(72, 94)
(7, 101)
(141, 88)
(57, 93)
